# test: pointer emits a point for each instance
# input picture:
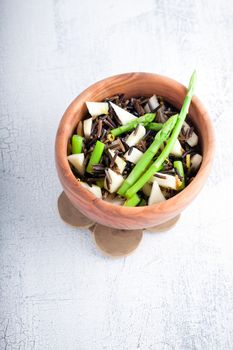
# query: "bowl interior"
(134, 84)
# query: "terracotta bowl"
(131, 84)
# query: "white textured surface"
(57, 291)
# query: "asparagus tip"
(193, 81)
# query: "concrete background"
(56, 291)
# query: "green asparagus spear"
(77, 144)
(178, 165)
(95, 155)
(133, 201)
(166, 151)
(144, 120)
(144, 161)
(154, 126)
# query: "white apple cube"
(97, 108)
(152, 104)
(77, 160)
(193, 139)
(166, 180)
(134, 155)
(96, 190)
(156, 195)
(87, 125)
(116, 181)
(177, 149)
(196, 162)
(122, 114)
(146, 189)
(120, 163)
(135, 137)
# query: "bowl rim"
(185, 196)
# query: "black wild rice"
(108, 179)
(99, 130)
(160, 176)
(101, 127)
(113, 160)
(139, 109)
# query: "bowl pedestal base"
(110, 241)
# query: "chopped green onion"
(95, 156)
(132, 202)
(76, 144)
(178, 165)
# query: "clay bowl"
(131, 84)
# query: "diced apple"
(156, 195)
(120, 163)
(97, 108)
(113, 199)
(134, 155)
(166, 180)
(146, 189)
(134, 138)
(77, 160)
(122, 114)
(152, 104)
(115, 183)
(177, 149)
(96, 190)
(147, 108)
(196, 162)
(87, 125)
(193, 139)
